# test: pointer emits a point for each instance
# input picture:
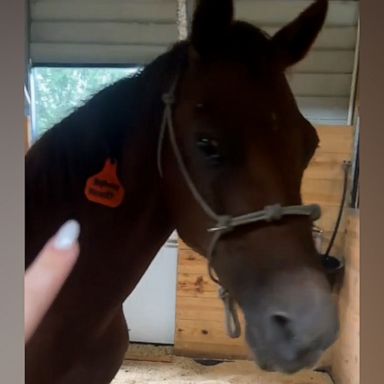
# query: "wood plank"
(346, 357)
(103, 33)
(326, 192)
(188, 256)
(343, 38)
(327, 166)
(326, 61)
(200, 321)
(211, 350)
(163, 11)
(199, 282)
(185, 371)
(194, 269)
(147, 352)
(186, 313)
(279, 12)
(266, 12)
(163, 34)
(318, 84)
(202, 331)
(328, 218)
(324, 108)
(193, 292)
(325, 121)
(336, 139)
(205, 304)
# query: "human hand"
(47, 274)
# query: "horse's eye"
(210, 149)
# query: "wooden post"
(346, 355)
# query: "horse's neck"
(58, 166)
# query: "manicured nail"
(67, 235)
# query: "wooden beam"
(346, 356)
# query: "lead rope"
(224, 223)
(331, 263)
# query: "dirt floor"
(177, 370)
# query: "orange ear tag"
(105, 188)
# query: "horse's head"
(245, 146)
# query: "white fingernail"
(67, 235)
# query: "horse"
(207, 139)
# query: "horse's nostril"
(281, 320)
(281, 324)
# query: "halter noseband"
(223, 223)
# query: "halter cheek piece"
(223, 223)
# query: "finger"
(45, 277)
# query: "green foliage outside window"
(59, 91)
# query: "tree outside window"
(58, 91)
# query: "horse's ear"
(293, 41)
(212, 19)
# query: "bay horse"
(207, 136)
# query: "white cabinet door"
(150, 310)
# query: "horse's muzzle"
(292, 323)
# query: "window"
(57, 91)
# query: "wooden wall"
(346, 354)
(200, 327)
(102, 32)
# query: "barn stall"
(188, 340)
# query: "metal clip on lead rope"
(231, 316)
